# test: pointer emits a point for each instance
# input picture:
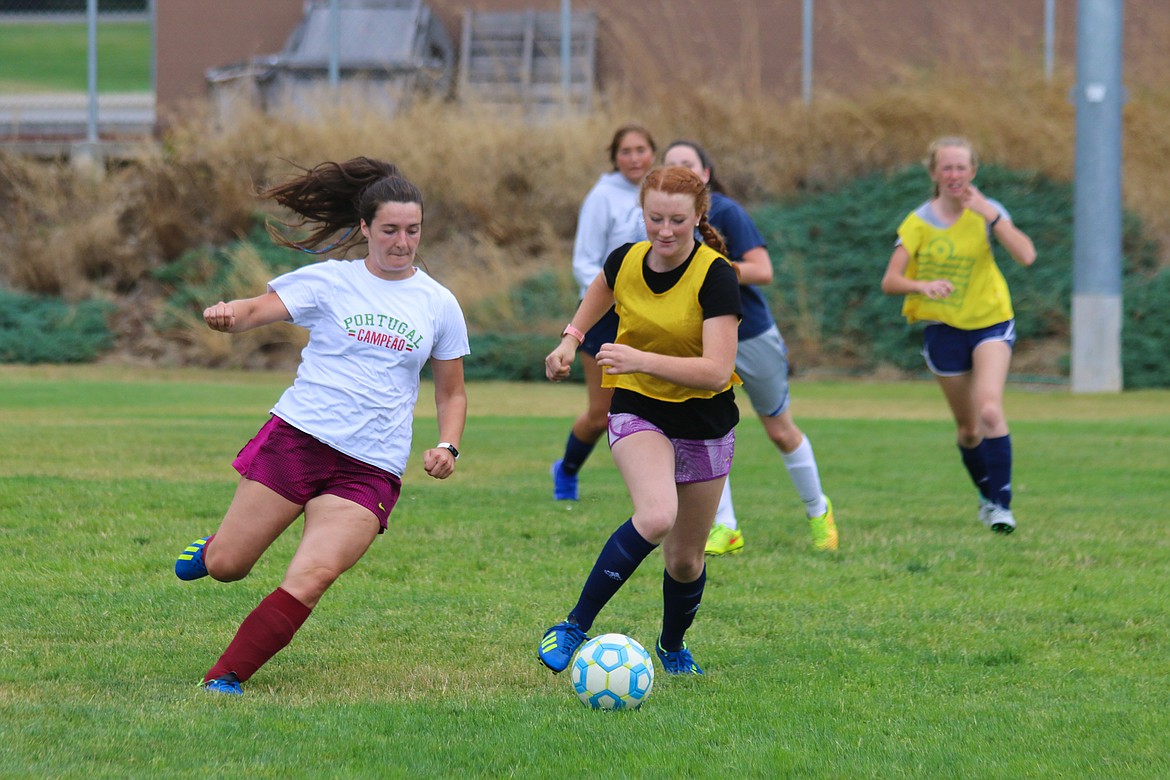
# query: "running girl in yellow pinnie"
(943, 263)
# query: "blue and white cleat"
(677, 661)
(558, 645)
(229, 684)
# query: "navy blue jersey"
(741, 235)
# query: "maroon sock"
(263, 634)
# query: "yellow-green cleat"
(824, 529)
(724, 541)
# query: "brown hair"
(677, 180)
(948, 141)
(620, 134)
(337, 196)
(704, 160)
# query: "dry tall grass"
(503, 194)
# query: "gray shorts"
(762, 364)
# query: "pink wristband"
(571, 331)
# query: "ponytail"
(334, 197)
(711, 236)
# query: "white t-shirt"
(611, 216)
(358, 380)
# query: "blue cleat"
(189, 565)
(228, 684)
(564, 485)
(558, 645)
(677, 661)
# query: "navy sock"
(974, 458)
(680, 602)
(621, 555)
(998, 455)
(576, 453)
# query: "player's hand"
(975, 200)
(619, 359)
(559, 361)
(221, 317)
(937, 289)
(439, 462)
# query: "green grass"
(53, 57)
(927, 648)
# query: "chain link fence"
(75, 71)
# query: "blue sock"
(621, 555)
(975, 459)
(997, 453)
(680, 602)
(576, 453)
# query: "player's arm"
(597, 301)
(589, 244)
(710, 371)
(451, 411)
(754, 267)
(1014, 240)
(246, 313)
(895, 281)
(1010, 237)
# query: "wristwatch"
(449, 447)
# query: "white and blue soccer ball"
(612, 672)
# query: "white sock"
(802, 468)
(725, 514)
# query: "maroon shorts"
(299, 467)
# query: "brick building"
(749, 44)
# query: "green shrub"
(208, 274)
(48, 330)
(1146, 331)
(512, 356)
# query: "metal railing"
(76, 72)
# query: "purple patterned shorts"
(695, 460)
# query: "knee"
(597, 420)
(223, 566)
(991, 416)
(654, 525)
(787, 439)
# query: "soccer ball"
(612, 672)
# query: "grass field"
(52, 57)
(927, 648)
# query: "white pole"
(806, 51)
(1049, 37)
(1096, 298)
(334, 44)
(91, 17)
(566, 50)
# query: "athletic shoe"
(985, 507)
(564, 485)
(229, 684)
(1000, 520)
(558, 645)
(189, 565)
(677, 661)
(724, 541)
(824, 530)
